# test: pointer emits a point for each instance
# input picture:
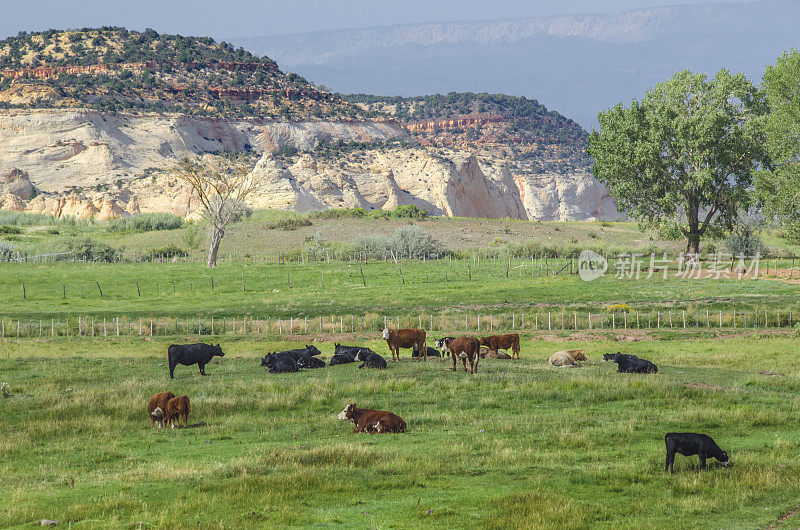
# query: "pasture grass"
(519, 445)
(296, 290)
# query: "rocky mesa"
(92, 121)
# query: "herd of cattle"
(165, 408)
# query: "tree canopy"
(685, 155)
(779, 188)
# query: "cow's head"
(268, 360)
(312, 350)
(442, 343)
(610, 356)
(385, 333)
(219, 351)
(484, 341)
(157, 413)
(725, 459)
(578, 355)
(347, 413)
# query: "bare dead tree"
(221, 182)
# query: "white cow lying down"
(566, 358)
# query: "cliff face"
(86, 163)
(443, 182)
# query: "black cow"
(373, 360)
(614, 356)
(349, 350)
(279, 363)
(299, 353)
(363, 353)
(432, 352)
(341, 359)
(636, 366)
(688, 444)
(188, 354)
(310, 362)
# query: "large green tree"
(685, 155)
(779, 188)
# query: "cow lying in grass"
(157, 408)
(505, 342)
(342, 358)
(310, 362)
(432, 352)
(405, 338)
(279, 364)
(189, 354)
(373, 360)
(688, 444)
(631, 364)
(356, 352)
(566, 358)
(372, 421)
(464, 348)
(178, 407)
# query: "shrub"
(293, 223)
(745, 243)
(407, 241)
(170, 251)
(146, 222)
(408, 211)
(6, 250)
(29, 219)
(91, 250)
(10, 229)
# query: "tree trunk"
(694, 233)
(216, 239)
(693, 244)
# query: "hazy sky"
(252, 18)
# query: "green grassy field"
(520, 444)
(296, 290)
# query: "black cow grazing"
(432, 352)
(688, 444)
(373, 360)
(188, 354)
(279, 363)
(341, 359)
(310, 362)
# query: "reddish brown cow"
(372, 421)
(178, 406)
(405, 338)
(462, 348)
(157, 408)
(502, 342)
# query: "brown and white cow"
(372, 421)
(178, 407)
(502, 342)
(566, 358)
(464, 348)
(157, 408)
(405, 338)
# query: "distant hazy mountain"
(577, 65)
